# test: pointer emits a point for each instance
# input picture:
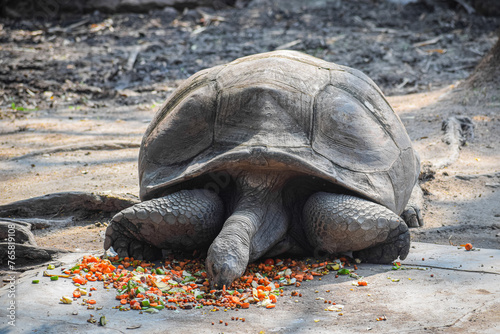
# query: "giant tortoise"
(271, 153)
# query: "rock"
(27, 254)
(18, 233)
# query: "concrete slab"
(455, 257)
(447, 291)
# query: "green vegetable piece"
(159, 307)
(160, 271)
(188, 279)
(343, 271)
(103, 321)
(139, 269)
(54, 278)
(145, 303)
(75, 267)
(131, 285)
(35, 281)
(151, 310)
(51, 266)
(198, 294)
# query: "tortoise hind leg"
(412, 213)
(340, 223)
(185, 220)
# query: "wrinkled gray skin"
(272, 153)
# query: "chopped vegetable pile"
(177, 284)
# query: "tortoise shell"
(281, 110)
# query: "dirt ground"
(76, 95)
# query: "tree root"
(66, 202)
(16, 234)
(457, 131)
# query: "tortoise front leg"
(340, 223)
(185, 220)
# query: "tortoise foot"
(126, 245)
(185, 220)
(337, 223)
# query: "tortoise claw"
(121, 247)
(385, 253)
(144, 251)
(125, 244)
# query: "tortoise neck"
(258, 190)
(257, 202)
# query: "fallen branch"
(289, 45)
(457, 131)
(68, 28)
(468, 8)
(132, 58)
(428, 42)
